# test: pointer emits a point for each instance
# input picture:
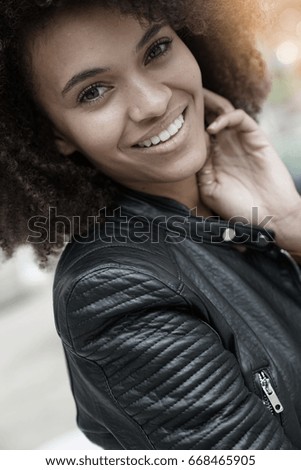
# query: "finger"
(216, 103)
(236, 119)
(206, 176)
(206, 183)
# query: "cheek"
(195, 81)
(189, 68)
(96, 134)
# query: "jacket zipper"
(270, 398)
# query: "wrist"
(288, 229)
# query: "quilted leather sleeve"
(147, 369)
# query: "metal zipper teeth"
(267, 403)
(270, 398)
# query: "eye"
(158, 49)
(93, 93)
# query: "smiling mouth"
(165, 135)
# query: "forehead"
(82, 22)
(79, 38)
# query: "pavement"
(36, 405)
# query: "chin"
(193, 162)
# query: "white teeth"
(165, 135)
(178, 123)
(173, 130)
(155, 140)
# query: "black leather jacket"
(174, 339)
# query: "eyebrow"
(90, 73)
(149, 34)
(81, 76)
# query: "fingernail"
(212, 126)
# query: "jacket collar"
(149, 205)
(212, 230)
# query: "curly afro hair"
(34, 176)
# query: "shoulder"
(101, 282)
(102, 252)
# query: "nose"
(147, 99)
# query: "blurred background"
(281, 46)
(36, 408)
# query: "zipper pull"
(270, 392)
(293, 263)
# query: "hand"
(243, 171)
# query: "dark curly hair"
(34, 176)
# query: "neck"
(185, 191)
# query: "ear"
(64, 146)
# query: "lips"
(164, 130)
(164, 135)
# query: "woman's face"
(127, 96)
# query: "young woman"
(178, 297)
